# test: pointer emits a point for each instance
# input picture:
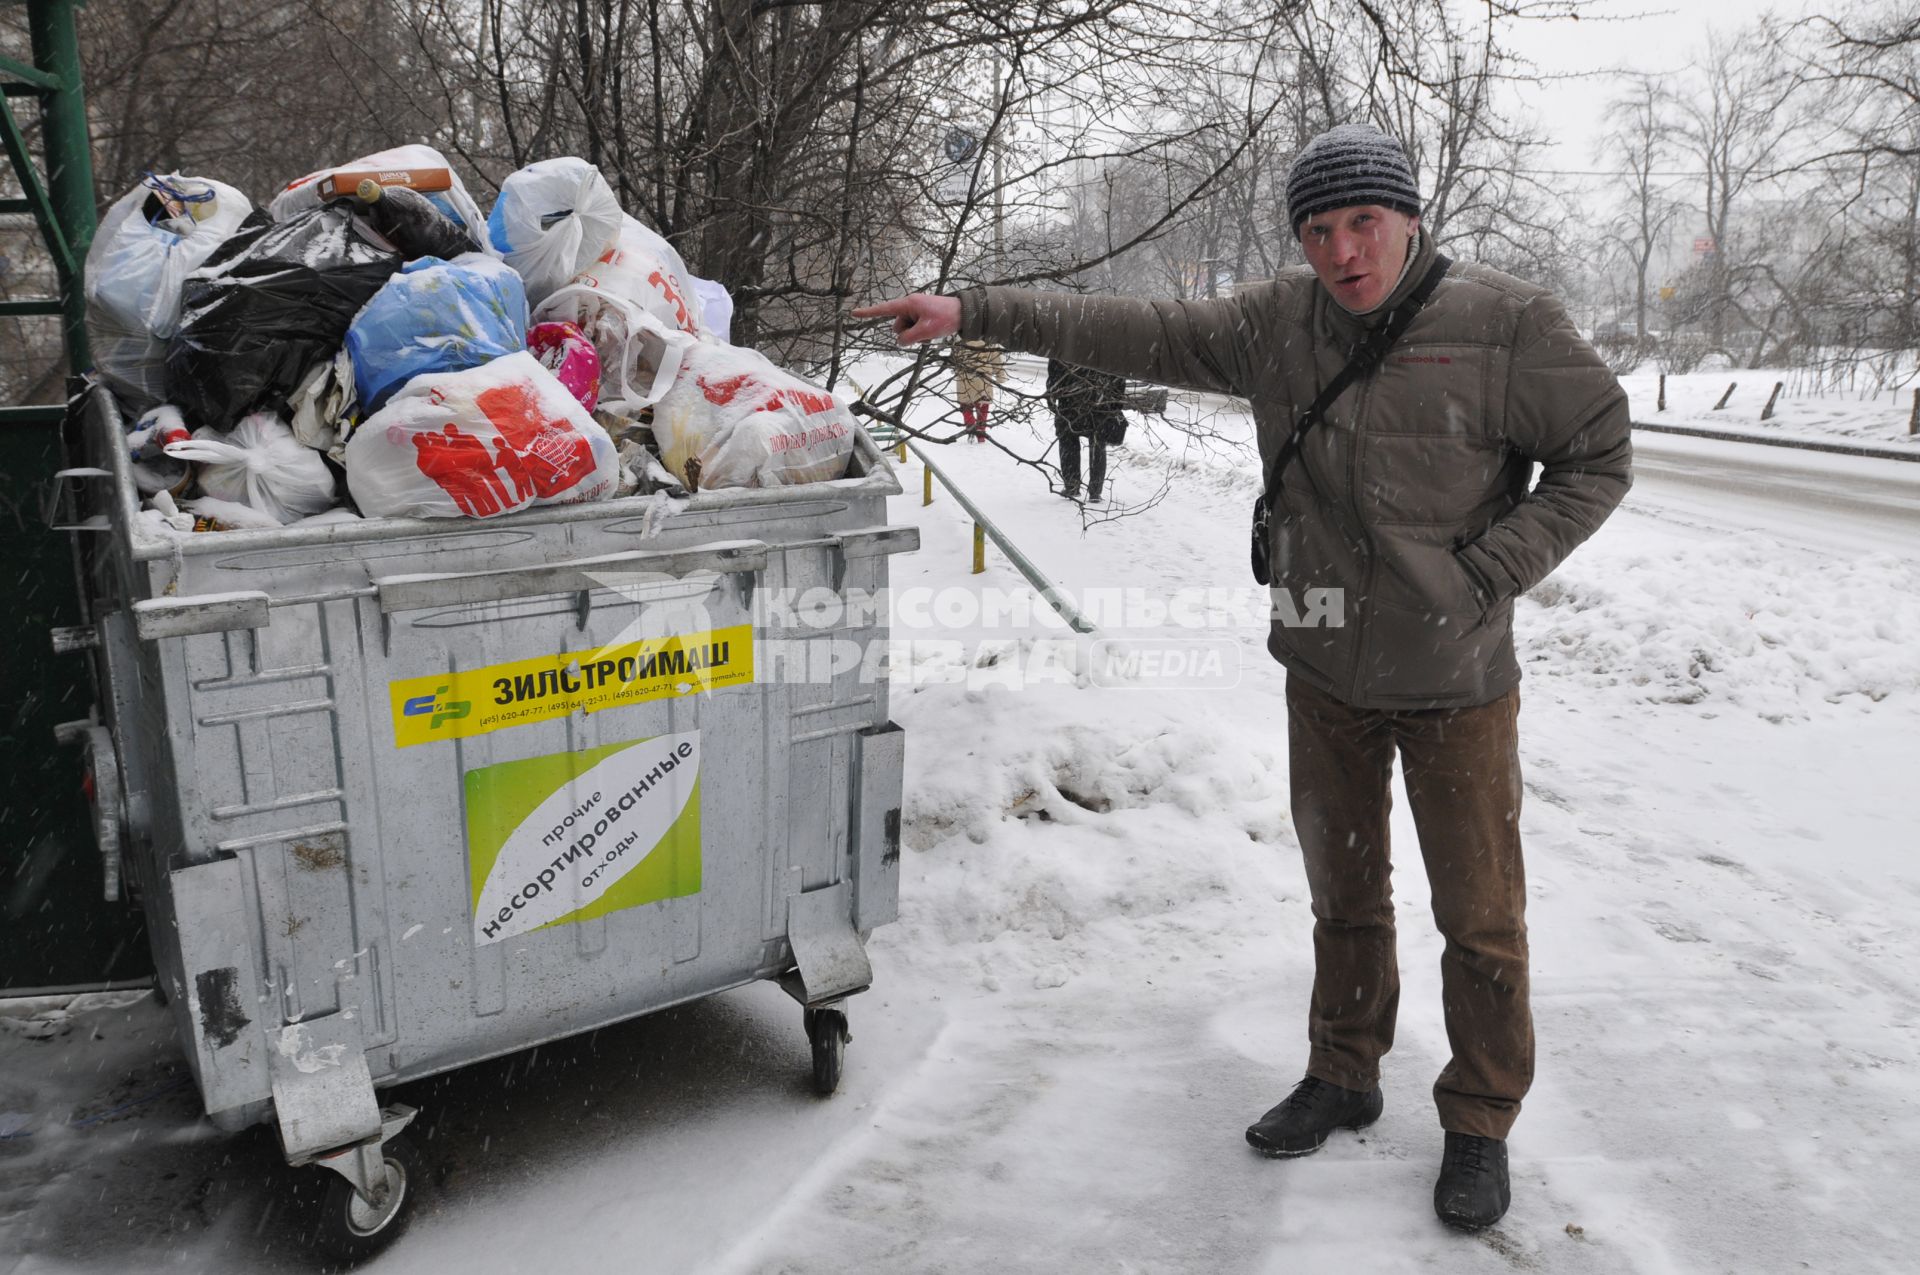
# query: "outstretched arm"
(1205, 345)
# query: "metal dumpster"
(400, 795)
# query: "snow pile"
(1729, 621)
(1056, 831)
(1804, 409)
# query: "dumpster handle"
(580, 575)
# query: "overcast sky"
(1651, 36)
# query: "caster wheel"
(827, 1030)
(350, 1229)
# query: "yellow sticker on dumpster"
(474, 701)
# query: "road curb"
(1804, 444)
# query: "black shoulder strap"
(1366, 356)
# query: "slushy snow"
(1101, 969)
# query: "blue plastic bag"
(435, 316)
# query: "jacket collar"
(1345, 327)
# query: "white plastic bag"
(139, 258)
(260, 464)
(552, 220)
(303, 193)
(487, 440)
(733, 419)
(638, 306)
(642, 266)
(716, 308)
(639, 355)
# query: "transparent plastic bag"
(149, 241)
(639, 355)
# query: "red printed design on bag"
(459, 463)
(538, 451)
(660, 281)
(810, 402)
(723, 391)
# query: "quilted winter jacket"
(1411, 497)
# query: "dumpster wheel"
(352, 1228)
(827, 1031)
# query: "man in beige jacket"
(1412, 501)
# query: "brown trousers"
(1462, 772)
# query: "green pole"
(56, 50)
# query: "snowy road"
(1100, 973)
(1837, 503)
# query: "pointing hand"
(916, 318)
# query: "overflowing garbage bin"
(400, 793)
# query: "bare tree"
(1638, 143)
(1735, 125)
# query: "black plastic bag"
(271, 301)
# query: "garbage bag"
(323, 407)
(639, 355)
(638, 306)
(153, 470)
(552, 220)
(261, 465)
(642, 266)
(733, 419)
(565, 351)
(484, 441)
(418, 167)
(271, 301)
(716, 308)
(435, 316)
(151, 238)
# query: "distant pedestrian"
(1086, 404)
(978, 368)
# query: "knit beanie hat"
(1346, 165)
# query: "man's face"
(1358, 252)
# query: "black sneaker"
(1070, 493)
(1473, 1191)
(1313, 1110)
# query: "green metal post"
(56, 50)
(55, 929)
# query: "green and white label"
(564, 838)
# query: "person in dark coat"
(1414, 515)
(1086, 404)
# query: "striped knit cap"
(1347, 165)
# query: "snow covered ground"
(1101, 970)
